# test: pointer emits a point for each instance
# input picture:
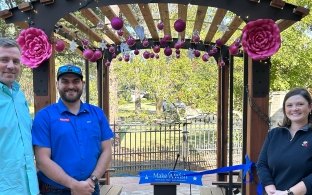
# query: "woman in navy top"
(284, 166)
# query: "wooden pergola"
(78, 19)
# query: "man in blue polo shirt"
(72, 140)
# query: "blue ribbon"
(190, 177)
(245, 167)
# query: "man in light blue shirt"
(17, 169)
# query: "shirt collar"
(62, 107)
(15, 86)
(307, 127)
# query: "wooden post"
(222, 123)
(44, 84)
(257, 112)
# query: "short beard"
(70, 100)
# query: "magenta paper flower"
(35, 46)
(261, 39)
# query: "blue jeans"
(96, 192)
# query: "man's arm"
(105, 159)
(57, 174)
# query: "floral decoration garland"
(35, 47)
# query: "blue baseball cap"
(69, 69)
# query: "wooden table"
(110, 190)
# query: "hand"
(83, 188)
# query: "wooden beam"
(69, 35)
(22, 25)
(25, 6)
(46, 2)
(92, 17)
(164, 17)
(126, 11)
(237, 21)
(277, 4)
(301, 11)
(200, 16)
(83, 27)
(284, 24)
(5, 14)
(148, 17)
(217, 19)
(182, 14)
(110, 14)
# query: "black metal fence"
(140, 146)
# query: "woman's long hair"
(296, 91)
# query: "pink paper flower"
(35, 47)
(261, 39)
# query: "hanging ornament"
(156, 48)
(152, 55)
(233, 49)
(205, 57)
(221, 63)
(178, 56)
(219, 43)
(100, 25)
(222, 28)
(59, 45)
(124, 47)
(127, 57)
(116, 23)
(179, 44)
(163, 42)
(177, 51)
(167, 37)
(97, 54)
(111, 49)
(119, 58)
(156, 56)
(107, 63)
(179, 25)
(167, 51)
(120, 32)
(195, 37)
(140, 32)
(131, 41)
(146, 55)
(85, 42)
(88, 54)
(145, 43)
(196, 53)
(114, 55)
(136, 52)
(190, 53)
(212, 51)
(103, 45)
(73, 45)
(93, 59)
(160, 25)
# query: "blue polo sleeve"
(263, 170)
(41, 129)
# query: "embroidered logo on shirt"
(305, 144)
(64, 119)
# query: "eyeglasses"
(68, 69)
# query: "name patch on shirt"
(64, 119)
